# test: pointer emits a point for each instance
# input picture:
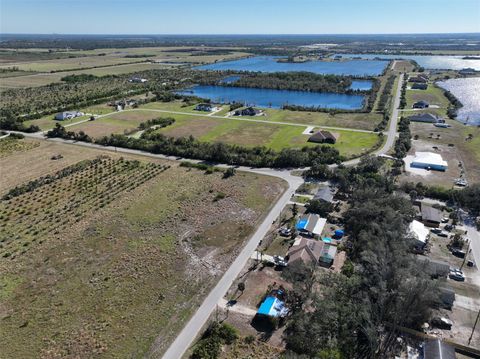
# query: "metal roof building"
(430, 161)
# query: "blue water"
(270, 64)
(426, 61)
(275, 98)
(362, 85)
(467, 91)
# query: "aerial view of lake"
(467, 91)
(275, 98)
(427, 61)
(270, 64)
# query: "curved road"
(191, 330)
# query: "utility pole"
(473, 329)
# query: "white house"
(419, 232)
(429, 161)
(67, 115)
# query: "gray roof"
(431, 214)
(325, 193)
(437, 349)
(434, 267)
(423, 117)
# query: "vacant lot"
(463, 150)
(228, 130)
(11, 145)
(106, 281)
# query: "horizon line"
(244, 34)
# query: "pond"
(275, 98)
(271, 64)
(361, 85)
(467, 91)
(426, 61)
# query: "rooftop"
(429, 158)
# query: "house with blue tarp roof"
(272, 307)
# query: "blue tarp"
(339, 233)
(272, 307)
(302, 223)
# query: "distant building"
(437, 349)
(323, 137)
(249, 111)
(431, 216)
(311, 225)
(429, 161)
(204, 107)
(419, 86)
(467, 71)
(421, 104)
(137, 79)
(312, 251)
(425, 117)
(418, 79)
(67, 115)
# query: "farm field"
(42, 79)
(127, 239)
(228, 130)
(11, 145)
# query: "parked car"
(456, 274)
(285, 232)
(442, 234)
(470, 263)
(280, 261)
(445, 219)
(442, 323)
(436, 230)
(448, 227)
(458, 253)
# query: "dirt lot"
(467, 152)
(126, 273)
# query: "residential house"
(431, 217)
(434, 268)
(467, 71)
(325, 193)
(312, 251)
(67, 115)
(311, 225)
(273, 305)
(421, 104)
(204, 107)
(418, 79)
(425, 117)
(249, 111)
(323, 137)
(438, 349)
(419, 86)
(420, 234)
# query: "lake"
(275, 98)
(467, 91)
(270, 64)
(427, 61)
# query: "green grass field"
(433, 95)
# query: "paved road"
(196, 323)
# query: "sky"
(239, 16)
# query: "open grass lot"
(48, 122)
(403, 66)
(35, 80)
(468, 152)
(433, 95)
(228, 130)
(106, 281)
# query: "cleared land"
(11, 145)
(228, 130)
(106, 281)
